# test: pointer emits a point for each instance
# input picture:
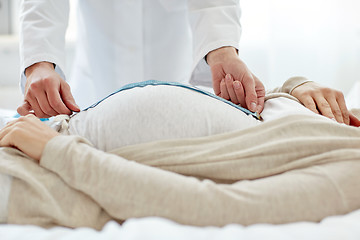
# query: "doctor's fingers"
(26, 108)
(223, 90)
(248, 83)
(240, 94)
(217, 86)
(260, 93)
(36, 97)
(261, 103)
(44, 104)
(68, 98)
(218, 75)
(35, 108)
(57, 102)
(229, 82)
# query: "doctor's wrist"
(220, 55)
(39, 65)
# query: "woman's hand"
(28, 134)
(325, 101)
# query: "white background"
(319, 39)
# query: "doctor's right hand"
(233, 81)
(46, 93)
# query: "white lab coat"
(125, 41)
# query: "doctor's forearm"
(215, 24)
(43, 25)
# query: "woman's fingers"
(344, 111)
(333, 108)
(326, 101)
(27, 134)
(324, 107)
(336, 112)
(309, 103)
(337, 104)
(7, 132)
(3, 133)
(354, 121)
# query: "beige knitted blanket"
(295, 168)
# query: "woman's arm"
(319, 99)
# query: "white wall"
(319, 39)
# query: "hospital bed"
(334, 227)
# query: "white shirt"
(125, 41)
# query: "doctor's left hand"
(46, 93)
(28, 134)
(233, 81)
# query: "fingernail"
(258, 109)
(228, 77)
(236, 85)
(253, 106)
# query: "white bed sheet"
(336, 227)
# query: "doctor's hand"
(28, 134)
(325, 101)
(46, 93)
(233, 81)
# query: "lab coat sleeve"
(43, 25)
(214, 24)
